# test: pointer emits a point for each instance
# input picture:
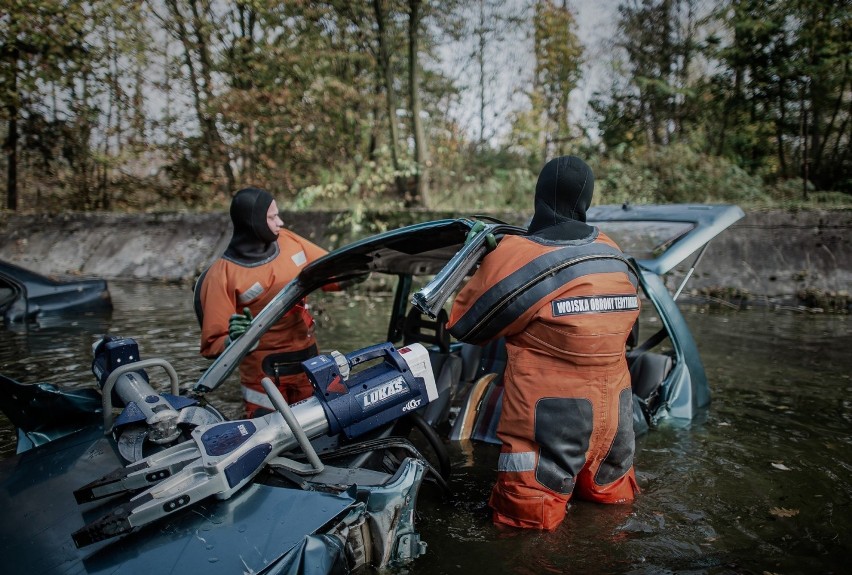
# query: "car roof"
(419, 249)
(677, 231)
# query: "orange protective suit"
(229, 286)
(565, 309)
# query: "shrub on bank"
(677, 173)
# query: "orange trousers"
(566, 431)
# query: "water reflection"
(761, 484)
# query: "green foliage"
(472, 178)
(675, 173)
(501, 190)
(64, 80)
(739, 101)
(558, 60)
(370, 183)
(783, 107)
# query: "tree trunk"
(804, 136)
(780, 126)
(10, 146)
(386, 73)
(480, 60)
(421, 152)
(200, 93)
(217, 143)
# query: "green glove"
(490, 240)
(239, 323)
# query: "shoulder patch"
(594, 304)
(299, 258)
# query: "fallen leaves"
(783, 512)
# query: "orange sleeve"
(312, 251)
(218, 305)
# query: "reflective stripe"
(257, 397)
(251, 293)
(523, 461)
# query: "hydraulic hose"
(434, 440)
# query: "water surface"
(760, 485)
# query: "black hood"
(253, 242)
(563, 193)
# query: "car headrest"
(419, 328)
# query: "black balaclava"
(253, 242)
(563, 193)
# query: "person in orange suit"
(564, 298)
(261, 258)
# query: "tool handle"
(284, 409)
(135, 366)
(385, 350)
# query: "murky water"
(763, 484)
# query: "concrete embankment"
(801, 256)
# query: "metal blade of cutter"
(143, 473)
(189, 486)
(222, 459)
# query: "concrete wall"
(778, 253)
(772, 253)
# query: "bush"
(355, 183)
(512, 189)
(670, 174)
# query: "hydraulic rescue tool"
(221, 458)
(148, 416)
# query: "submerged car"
(330, 484)
(28, 297)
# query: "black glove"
(238, 324)
(490, 240)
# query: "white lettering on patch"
(594, 304)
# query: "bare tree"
(193, 32)
(386, 73)
(421, 152)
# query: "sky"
(510, 61)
